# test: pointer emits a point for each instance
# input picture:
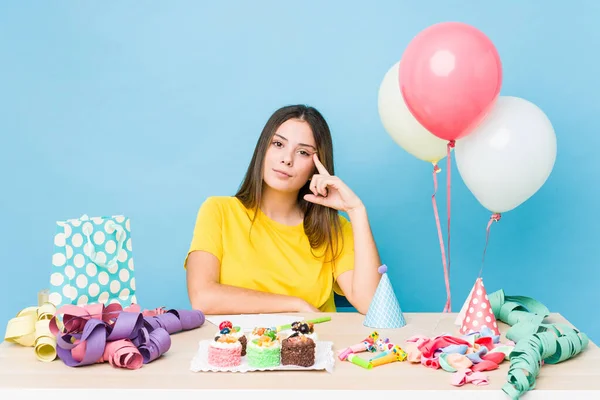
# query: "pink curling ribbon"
(122, 354)
(494, 218)
(451, 144)
(156, 311)
(436, 170)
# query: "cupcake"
(264, 351)
(225, 351)
(226, 328)
(298, 349)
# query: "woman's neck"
(281, 207)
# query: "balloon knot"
(451, 144)
(495, 217)
(436, 169)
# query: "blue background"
(112, 108)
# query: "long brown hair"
(321, 224)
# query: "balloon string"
(494, 218)
(451, 144)
(436, 170)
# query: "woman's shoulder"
(223, 204)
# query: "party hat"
(384, 311)
(479, 313)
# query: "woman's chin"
(282, 187)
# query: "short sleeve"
(345, 260)
(207, 234)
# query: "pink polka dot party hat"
(477, 312)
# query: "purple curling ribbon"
(150, 335)
(169, 322)
(126, 326)
(94, 338)
(158, 343)
(190, 319)
(151, 323)
(174, 321)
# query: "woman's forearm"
(215, 298)
(366, 260)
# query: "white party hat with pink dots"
(478, 313)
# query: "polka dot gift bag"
(92, 262)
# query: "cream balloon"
(509, 156)
(402, 126)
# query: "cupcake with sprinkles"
(225, 351)
(264, 351)
(227, 328)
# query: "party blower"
(368, 344)
(384, 344)
(389, 356)
(385, 347)
(310, 321)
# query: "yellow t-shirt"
(267, 255)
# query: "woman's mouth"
(281, 174)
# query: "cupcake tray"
(324, 360)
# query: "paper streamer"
(126, 338)
(122, 354)
(30, 328)
(514, 309)
(537, 343)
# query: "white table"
(21, 373)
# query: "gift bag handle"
(120, 241)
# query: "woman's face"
(289, 159)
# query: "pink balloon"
(451, 76)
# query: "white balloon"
(509, 156)
(402, 126)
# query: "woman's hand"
(330, 191)
(305, 307)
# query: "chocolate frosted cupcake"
(298, 349)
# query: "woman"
(279, 244)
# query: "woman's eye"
(277, 144)
(304, 153)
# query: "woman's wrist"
(355, 211)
